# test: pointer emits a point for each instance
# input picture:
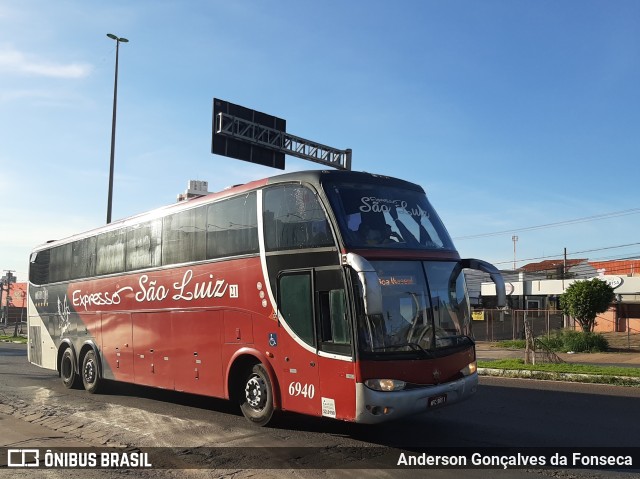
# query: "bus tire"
(91, 374)
(256, 396)
(69, 370)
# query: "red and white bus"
(328, 293)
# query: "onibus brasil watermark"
(34, 458)
(516, 460)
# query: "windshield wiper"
(455, 341)
(457, 337)
(414, 346)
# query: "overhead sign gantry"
(253, 136)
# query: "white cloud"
(12, 95)
(46, 98)
(6, 12)
(14, 61)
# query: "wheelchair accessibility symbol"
(273, 339)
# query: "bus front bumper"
(374, 407)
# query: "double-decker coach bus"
(328, 293)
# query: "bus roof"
(314, 177)
(321, 176)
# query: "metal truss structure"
(237, 128)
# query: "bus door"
(335, 354)
(319, 378)
(298, 363)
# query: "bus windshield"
(424, 308)
(380, 216)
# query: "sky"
(518, 118)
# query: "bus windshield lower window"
(425, 308)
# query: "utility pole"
(113, 124)
(2, 320)
(514, 238)
(564, 275)
(7, 280)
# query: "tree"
(584, 300)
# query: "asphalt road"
(504, 413)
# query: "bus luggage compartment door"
(117, 347)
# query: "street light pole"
(113, 124)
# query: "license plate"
(436, 401)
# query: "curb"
(555, 376)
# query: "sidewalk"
(485, 351)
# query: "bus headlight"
(469, 369)
(385, 384)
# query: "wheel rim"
(256, 392)
(67, 368)
(89, 372)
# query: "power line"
(604, 248)
(586, 219)
(559, 255)
(580, 270)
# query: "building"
(17, 308)
(538, 286)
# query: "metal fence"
(498, 325)
(9, 317)
(12, 314)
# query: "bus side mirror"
(369, 283)
(496, 277)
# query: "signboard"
(477, 315)
(241, 149)
(613, 281)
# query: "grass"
(518, 364)
(511, 344)
(564, 341)
(9, 338)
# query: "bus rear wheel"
(256, 397)
(68, 370)
(91, 374)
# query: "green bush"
(513, 344)
(577, 341)
(555, 342)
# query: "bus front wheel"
(68, 369)
(256, 397)
(91, 376)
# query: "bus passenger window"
(296, 306)
(334, 326)
(294, 219)
(111, 252)
(143, 245)
(184, 237)
(60, 266)
(39, 267)
(83, 258)
(232, 227)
